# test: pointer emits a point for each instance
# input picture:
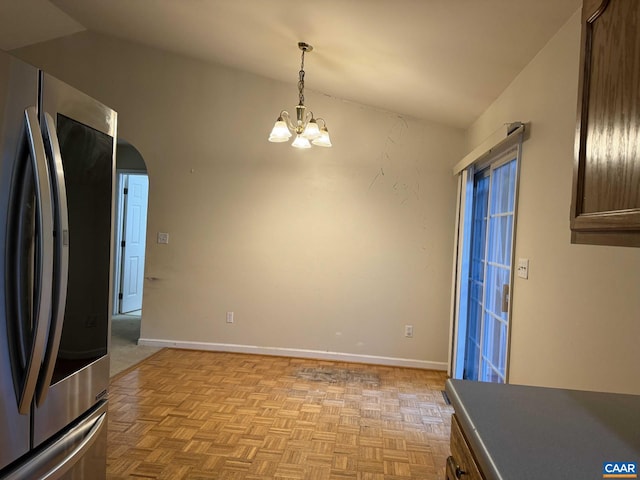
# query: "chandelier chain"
(301, 81)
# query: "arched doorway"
(132, 193)
(132, 190)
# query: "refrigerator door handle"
(61, 258)
(44, 259)
(59, 457)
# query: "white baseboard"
(295, 352)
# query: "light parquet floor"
(203, 415)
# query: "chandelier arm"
(287, 118)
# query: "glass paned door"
(498, 273)
(488, 272)
(476, 274)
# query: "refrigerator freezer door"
(76, 454)
(18, 91)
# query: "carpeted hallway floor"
(125, 351)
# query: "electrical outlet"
(229, 317)
(163, 237)
(408, 331)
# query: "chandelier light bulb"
(323, 140)
(280, 132)
(301, 142)
(311, 131)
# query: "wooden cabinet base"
(461, 465)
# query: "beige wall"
(576, 320)
(324, 250)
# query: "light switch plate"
(523, 268)
(163, 237)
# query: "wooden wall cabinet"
(605, 206)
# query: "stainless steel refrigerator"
(57, 151)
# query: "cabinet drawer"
(461, 465)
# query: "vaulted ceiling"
(442, 60)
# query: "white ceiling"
(444, 60)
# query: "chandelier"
(306, 125)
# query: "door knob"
(454, 469)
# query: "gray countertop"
(534, 433)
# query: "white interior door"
(133, 252)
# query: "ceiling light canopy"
(306, 128)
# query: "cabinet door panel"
(606, 194)
(461, 464)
